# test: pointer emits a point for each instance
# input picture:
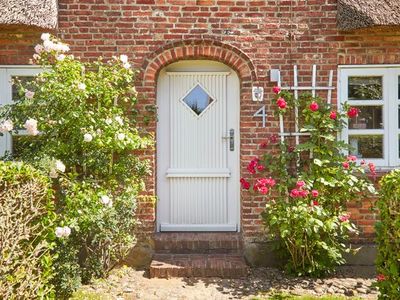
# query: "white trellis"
(296, 88)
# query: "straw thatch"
(40, 13)
(355, 14)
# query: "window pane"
(16, 83)
(369, 117)
(365, 88)
(198, 100)
(366, 146)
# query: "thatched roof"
(40, 13)
(354, 14)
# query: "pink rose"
(344, 218)
(352, 112)
(351, 158)
(281, 103)
(314, 193)
(346, 165)
(303, 193)
(333, 115)
(380, 277)
(294, 193)
(260, 168)
(270, 182)
(314, 106)
(300, 184)
(276, 89)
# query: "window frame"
(390, 103)
(6, 74)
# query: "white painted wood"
(197, 174)
(308, 88)
(390, 103)
(6, 75)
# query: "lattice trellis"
(296, 88)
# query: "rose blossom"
(6, 126)
(314, 106)
(87, 137)
(245, 184)
(315, 203)
(60, 57)
(303, 193)
(276, 89)
(106, 200)
(31, 126)
(29, 94)
(39, 48)
(260, 168)
(274, 138)
(344, 218)
(127, 65)
(314, 193)
(345, 165)
(123, 58)
(62, 231)
(380, 277)
(45, 36)
(281, 103)
(300, 184)
(333, 115)
(264, 145)
(60, 166)
(294, 193)
(352, 112)
(351, 158)
(119, 120)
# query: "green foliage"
(306, 210)
(82, 126)
(388, 236)
(27, 222)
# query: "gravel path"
(127, 283)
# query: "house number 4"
(261, 113)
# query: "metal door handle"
(231, 139)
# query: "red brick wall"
(262, 34)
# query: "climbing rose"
(303, 193)
(45, 36)
(300, 184)
(121, 136)
(260, 168)
(119, 120)
(281, 103)
(87, 137)
(294, 193)
(351, 158)
(245, 184)
(372, 168)
(29, 94)
(59, 165)
(274, 138)
(344, 218)
(31, 126)
(346, 165)
(126, 65)
(314, 106)
(380, 277)
(39, 48)
(276, 89)
(314, 193)
(123, 58)
(6, 126)
(251, 167)
(106, 200)
(60, 57)
(352, 112)
(333, 115)
(62, 231)
(290, 149)
(315, 203)
(270, 182)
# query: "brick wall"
(260, 35)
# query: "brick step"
(198, 265)
(198, 242)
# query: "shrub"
(82, 126)
(388, 236)
(308, 186)
(27, 223)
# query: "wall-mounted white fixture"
(275, 75)
(258, 93)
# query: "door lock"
(231, 138)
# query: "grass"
(280, 296)
(87, 295)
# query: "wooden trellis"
(296, 88)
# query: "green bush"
(388, 236)
(82, 126)
(27, 223)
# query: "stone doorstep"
(198, 242)
(198, 265)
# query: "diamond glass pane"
(198, 100)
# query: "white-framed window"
(375, 133)
(8, 92)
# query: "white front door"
(198, 147)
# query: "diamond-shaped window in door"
(198, 100)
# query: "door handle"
(231, 138)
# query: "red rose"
(294, 193)
(270, 182)
(264, 145)
(314, 193)
(346, 165)
(276, 89)
(333, 115)
(281, 103)
(315, 203)
(245, 184)
(274, 138)
(380, 277)
(314, 106)
(260, 167)
(352, 112)
(290, 149)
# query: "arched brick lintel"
(199, 49)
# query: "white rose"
(6, 126)
(60, 166)
(36, 56)
(39, 48)
(31, 126)
(81, 86)
(53, 173)
(87, 137)
(29, 94)
(121, 136)
(123, 58)
(127, 65)
(105, 199)
(59, 232)
(119, 120)
(45, 36)
(60, 57)
(48, 45)
(67, 231)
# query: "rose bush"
(80, 118)
(308, 186)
